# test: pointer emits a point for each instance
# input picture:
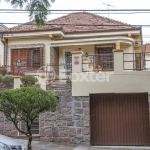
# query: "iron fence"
(97, 62)
(136, 61)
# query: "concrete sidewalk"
(40, 145)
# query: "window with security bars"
(68, 61)
(104, 59)
(31, 57)
(34, 128)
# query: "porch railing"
(97, 62)
(136, 61)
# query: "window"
(35, 58)
(104, 59)
(34, 129)
(32, 57)
(68, 61)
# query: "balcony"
(126, 72)
(97, 62)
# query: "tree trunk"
(29, 142)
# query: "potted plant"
(69, 82)
(28, 80)
(57, 78)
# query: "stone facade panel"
(69, 124)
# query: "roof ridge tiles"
(74, 19)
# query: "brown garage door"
(119, 119)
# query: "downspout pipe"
(143, 52)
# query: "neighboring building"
(146, 48)
(2, 27)
(108, 102)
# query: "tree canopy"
(38, 9)
(25, 104)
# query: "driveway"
(40, 145)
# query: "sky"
(133, 19)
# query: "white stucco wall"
(109, 82)
(126, 82)
(45, 41)
(147, 61)
(1, 53)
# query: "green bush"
(1, 78)
(3, 71)
(7, 80)
(69, 82)
(28, 80)
(56, 76)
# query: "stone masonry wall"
(7, 127)
(70, 123)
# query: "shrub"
(56, 76)
(1, 78)
(3, 71)
(69, 82)
(7, 80)
(28, 80)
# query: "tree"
(25, 104)
(38, 9)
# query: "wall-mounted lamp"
(136, 43)
(18, 64)
(86, 54)
(79, 49)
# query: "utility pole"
(108, 5)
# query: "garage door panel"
(119, 119)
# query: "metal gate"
(119, 119)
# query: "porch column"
(118, 61)
(17, 82)
(76, 61)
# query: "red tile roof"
(76, 23)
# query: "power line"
(77, 10)
(91, 12)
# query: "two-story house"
(108, 101)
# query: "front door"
(68, 64)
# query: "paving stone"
(40, 145)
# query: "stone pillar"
(118, 61)
(17, 82)
(76, 61)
